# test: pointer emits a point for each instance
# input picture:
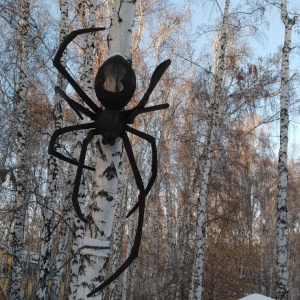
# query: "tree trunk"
(22, 156)
(101, 211)
(118, 233)
(212, 130)
(52, 189)
(88, 87)
(62, 255)
(282, 291)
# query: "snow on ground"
(256, 297)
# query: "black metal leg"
(78, 108)
(138, 236)
(151, 140)
(76, 205)
(60, 131)
(131, 114)
(66, 74)
(158, 73)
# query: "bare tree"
(21, 201)
(48, 207)
(87, 85)
(211, 134)
(282, 291)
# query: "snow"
(256, 297)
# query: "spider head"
(115, 83)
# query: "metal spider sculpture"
(110, 122)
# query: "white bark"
(212, 130)
(118, 233)
(120, 36)
(51, 193)
(75, 263)
(76, 245)
(21, 195)
(100, 213)
(62, 256)
(88, 87)
(282, 291)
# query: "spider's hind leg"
(138, 235)
(151, 140)
(57, 133)
(76, 205)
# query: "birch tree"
(100, 212)
(87, 85)
(211, 135)
(62, 256)
(282, 291)
(22, 156)
(52, 189)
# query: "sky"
(206, 12)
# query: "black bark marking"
(102, 155)
(118, 153)
(105, 195)
(110, 172)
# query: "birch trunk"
(21, 195)
(183, 255)
(101, 211)
(212, 130)
(51, 193)
(61, 257)
(87, 86)
(282, 291)
(118, 233)
(76, 245)
(64, 235)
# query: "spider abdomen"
(110, 125)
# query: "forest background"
(240, 229)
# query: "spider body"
(110, 125)
(115, 84)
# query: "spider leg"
(138, 235)
(158, 73)
(151, 140)
(66, 74)
(59, 132)
(76, 205)
(131, 114)
(78, 108)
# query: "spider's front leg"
(77, 108)
(58, 65)
(156, 76)
(138, 235)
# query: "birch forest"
(222, 219)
